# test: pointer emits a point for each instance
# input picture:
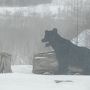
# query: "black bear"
(67, 53)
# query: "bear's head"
(49, 37)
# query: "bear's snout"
(44, 40)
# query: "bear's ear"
(55, 30)
(46, 31)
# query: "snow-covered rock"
(26, 69)
(83, 39)
(45, 63)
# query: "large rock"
(45, 63)
(5, 63)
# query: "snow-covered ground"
(39, 10)
(29, 11)
(23, 79)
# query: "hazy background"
(23, 22)
(23, 2)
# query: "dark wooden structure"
(5, 63)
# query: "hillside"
(22, 2)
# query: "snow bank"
(42, 82)
(26, 69)
(23, 81)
